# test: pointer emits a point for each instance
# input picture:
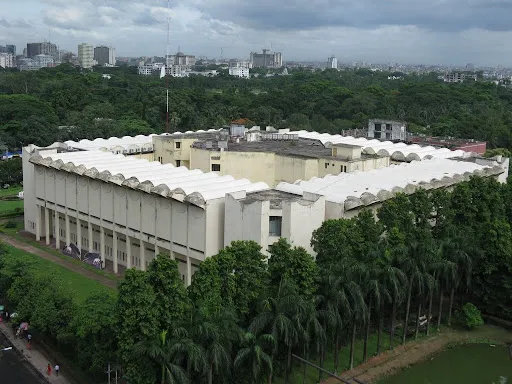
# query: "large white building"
(240, 69)
(332, 62)
(86, 55)
(107, 197)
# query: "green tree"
(138, 320)
(294, 264)
(253, 358)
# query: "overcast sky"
(378, 31)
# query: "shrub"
(10, 224)
(470, 316)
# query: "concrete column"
(57, 230)
(142, 256)
(189, 271)
(157, 250)
(102, 245)
(68, 229)
(79, 235)
(47, 225)
(38, 222)
(114, 250)
(89, 235)
(128, 252)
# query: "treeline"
(86, 105)
(244, 314)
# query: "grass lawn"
(11, 205)
(11, 191)
(80, 286)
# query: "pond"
(469, 364)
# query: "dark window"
(178, 163)
(326, 165)
(388, 136)
(274, 225)
(343, 168)
(178, 144)
(388, 127)
(216, 167)
(377, 127)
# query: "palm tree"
(414, 265)
(281, 316)
(312, 331)
(253, 356)
(216, 333)
(160, 350)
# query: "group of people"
(49, 369)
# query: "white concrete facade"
(86, 55)
(93, 205)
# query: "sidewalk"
(36, 358)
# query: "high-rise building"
(36, 63)
(86, 55)
(7, 60)
(332, 62)
(46, 48)
(267, 59)
(181, 59)
(105, 55)
(239, 69)
(8, 49)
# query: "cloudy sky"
(379, 31)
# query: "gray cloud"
(145, 19)
(14, 23)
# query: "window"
(326, 165)
(377, 127)
(388, 136)
(216, 167)
(178, 144)
(160, 159)
(95, 245)
(178, 163)
(388, 127)
(274, 225)
(343, 168)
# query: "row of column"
(102, 241)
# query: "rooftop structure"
(387, 129)
(119, 145)
(359, 189)
(397, 151)
(473, 146)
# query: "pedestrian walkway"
(34, 356)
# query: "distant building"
(7, 60)
(105, 56)
(332, 62)
(86, 55)
(150, 69)
(36, 63)
(181, 59)
(240, 69)
(387, 130)
(8, 49)
(266, 59)
(46, 48)
(459, 77)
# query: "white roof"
(397, 151)
(365, 188)
(125, 144)
(165, 180)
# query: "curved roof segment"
(125, 144)
(165, 180)
(366, 188)
(397, 151)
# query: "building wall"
(86, 55)
(185, 231)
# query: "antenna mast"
(166, 64)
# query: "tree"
(161, 350)
(280, 317)
(252, 357)
(170, 293)
(137, 321)
(293, 264)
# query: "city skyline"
(451, 32)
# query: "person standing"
(49, 369)
(29, 344)
(57, 369)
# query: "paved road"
(14, 369)
(57, 260)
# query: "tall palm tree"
(160, 350)
(253, 356)
(216, 333)
(312, 332)
(415, 266)
(280, 316)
